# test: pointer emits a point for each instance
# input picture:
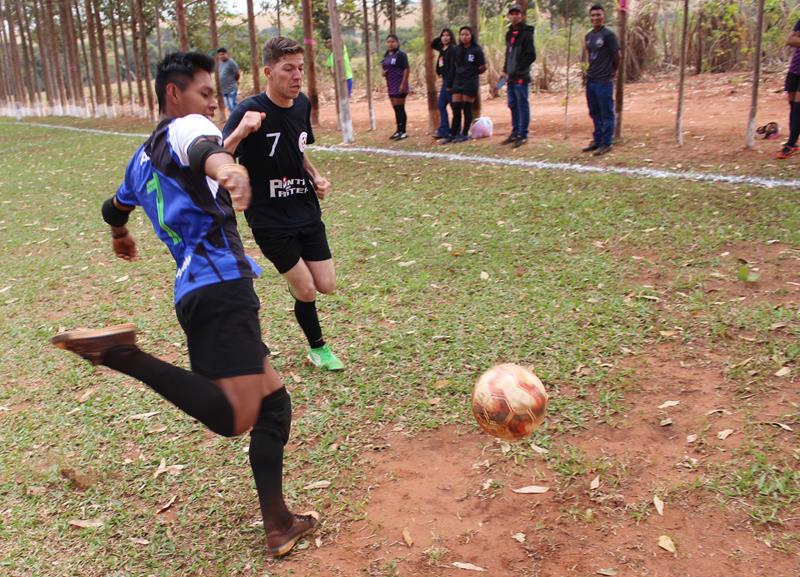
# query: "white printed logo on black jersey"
(301, 141)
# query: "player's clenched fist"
(323, 186)
(251, 122)
(236, 181)
(124, 246)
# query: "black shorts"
(222, 329)
(466, 87)
(792, 83)
(285, 248)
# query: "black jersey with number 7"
(283, 192)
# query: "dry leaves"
(659, 505)
(143, 416)
(610, 572)
(140, 541)
(467, 566)
(484, 275)
(518, 537)
(666, 543)
(317, 485)
(668, 404)
(407, 537)
(86, 523)
(166, 505)
(724, 434)
(538, 449)
(783, 372)
(171, 469)
(595, 483)
(665, 422)
(531, 490)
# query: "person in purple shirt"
(792, 88)
(395, 69)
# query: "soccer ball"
(509, 402)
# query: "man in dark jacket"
(520, 54)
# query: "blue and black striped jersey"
(190, 212)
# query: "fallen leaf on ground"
(171, 469)
(86, 523)
(783, 372)
(668, 404)
(79, 479)
(659, 504)
(467, 566)
(538, 449)
(595, 483)
(520, 537)
(87, 394)
(666, 422)
(691, 438)
(407, 537)
(484, 275)
(666, 543)
(317, 485)
(166, 505)
(156, 429)
(143, 416)
(724, 434)
(609, 572)
(318, 542)
(441, 383)
(140, 541)
(531, 490)
(406, 263)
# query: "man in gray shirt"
(601, 50)
(228, 78)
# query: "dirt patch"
(450, 493)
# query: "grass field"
(443, 270)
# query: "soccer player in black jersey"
(188, 186)
(269, 132)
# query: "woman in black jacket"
(469, 63)
(445, 45)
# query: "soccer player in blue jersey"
(269, 133)
(189, 186)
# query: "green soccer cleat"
(324, 358)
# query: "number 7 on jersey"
(277, 136)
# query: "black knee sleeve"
(275, 417)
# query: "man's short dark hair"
(515, 8)
(597, 7)
(278, 47)
(222, 50)
(179, 68)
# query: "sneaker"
(438, 136)
(461, 138)
(281, 543)
(324, 358)
(394, 136)
(401, 136)
(786, 152)
(601, 150)
(591, 148)
(509, 139)
(92, 344)
(519, 142)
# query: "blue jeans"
(520, 109)
(600, 96)
(349, 87)
(444, 121)
(230, 99)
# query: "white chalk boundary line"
(492, 160)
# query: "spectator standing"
(228, 78)
(520, 55)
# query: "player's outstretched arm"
(250, 123)
(116, 216)
(321, 184)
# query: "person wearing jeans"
(601, 50)
(520, 55)
(445, 45)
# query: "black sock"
(397, 115)
(403, 118)
(794, 124)
(455, 127)
(193, 394)
(306, 315)
(467, 117)
(267, 439)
